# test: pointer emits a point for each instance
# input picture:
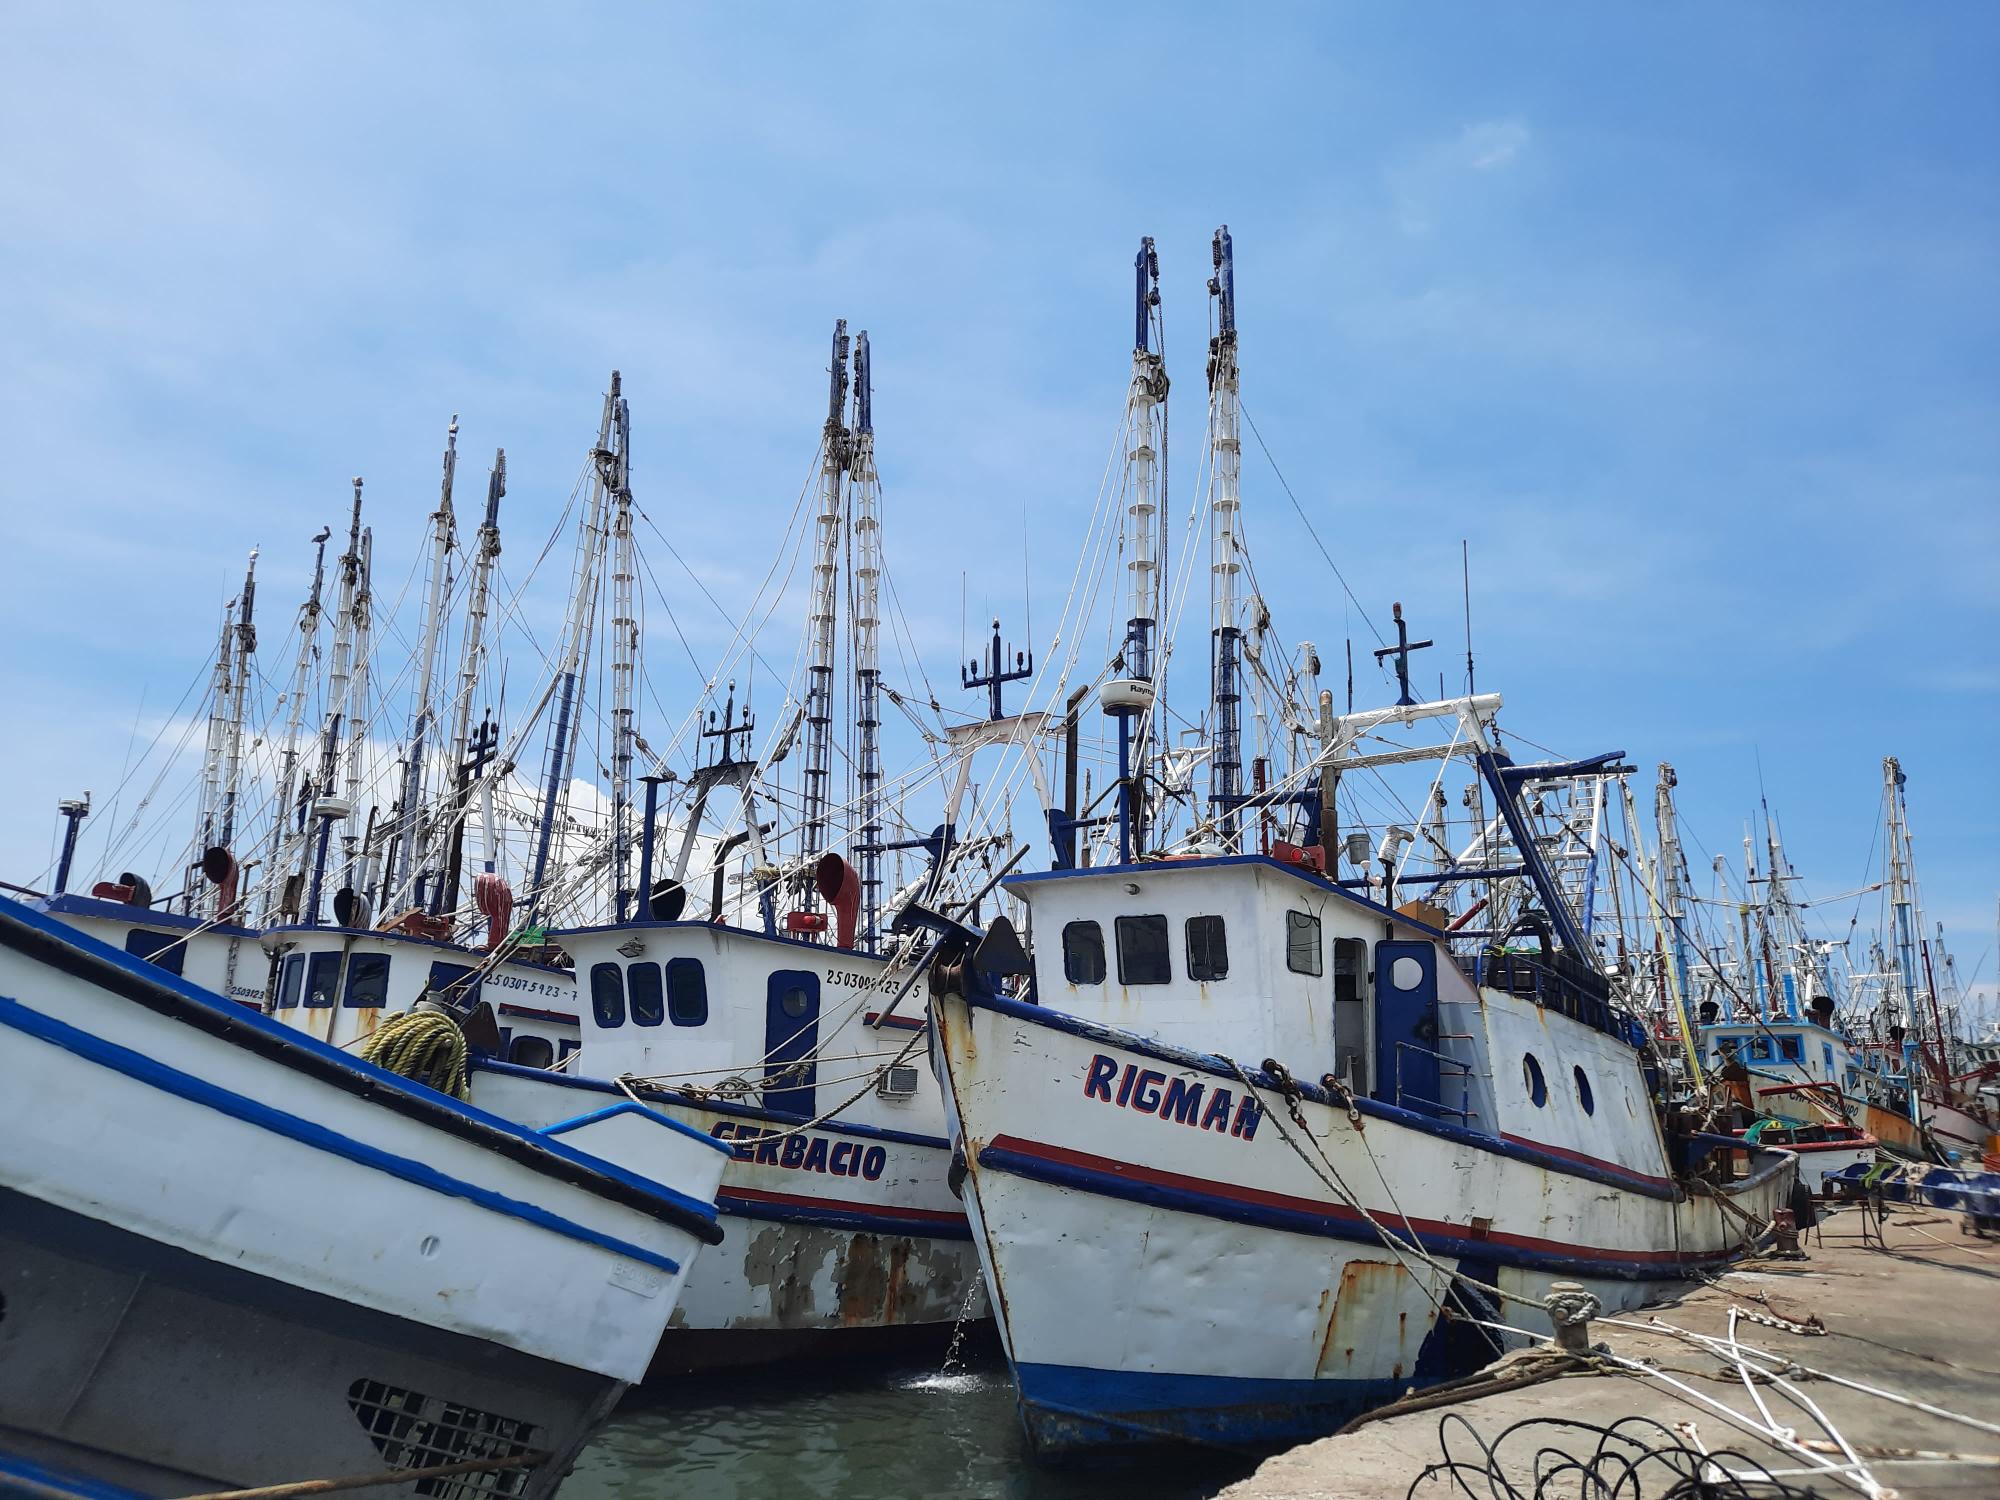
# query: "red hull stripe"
(1584, 1158)
(841, 1206)
(1231, 1192)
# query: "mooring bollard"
(1785, 1231)
(1571, 1308)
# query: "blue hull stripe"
(1070, 1406)
(629, 1108)
(1328, 1226)
(155, 1074)
(837, 1218)
(718, 1106)
(1611, 1175)
(43, 939)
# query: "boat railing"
(1553, 985)
(1409, 1099)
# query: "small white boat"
(236, 1256)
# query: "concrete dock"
(1917, 1314)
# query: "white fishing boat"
(1251, 1146)
(236, 1256)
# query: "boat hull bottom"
(143, 1365)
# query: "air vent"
(898, 1083)
(414, 1431)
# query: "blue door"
(1406, 1026)
(791, 1032)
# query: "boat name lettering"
(1152, 1092)
(800, 1153)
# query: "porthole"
(1583, 1095)
(1406, 973)
(794, 1003)
(1538, 1086)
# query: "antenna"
(1465, 577)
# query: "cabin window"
(1792, 1048)
(1302, 946)
(322, 979)
(165, 949)
(1143, 954)
(290, 979)
(1538, 1086)
(566, 1048)
(607, 994)
(1350, 1013)
(1826, 1051)
(1583, 1094)
(454, 984)
(531, 1052)
(687, 992)
(1207, 949)
(1083, 953)
(649, 1002)
(1758, 1049)
(368, 979)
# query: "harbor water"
(866, 1432)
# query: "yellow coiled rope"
(424, 1046)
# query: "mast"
(1673, 897)
(616, 464)
(411, 830)
(471, 666)
(246, 643)
(340, 669)
(1226, 769)
(570, 666)
(221, 688)
(836, 447)
(295, 712)
(1901, 901)
(867, 532)
(357, 695)
(1130, 697)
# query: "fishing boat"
(1250, 1145)
(237, 1256)
(776, 1022)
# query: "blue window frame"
(291, 978)
(565, 1047)
(322, 979)
(368, 980)
(1583, 1094)
(647, 994)
(1826, 1051)
(1758, 1049)
(1792, 1048)
(456, 984)
(607, 995)
(163, 948)
(687, 992)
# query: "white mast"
(1671, 865)
(295, 712)
(232, 763)
(616, 464)
(221, 690)
(826, 565)
(1226, 768)
(339, 683)
(1130, 697)
(575, 658)
(357, 698)
(471, 666)
(867, 531)
(412, 829)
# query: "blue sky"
(1684, 317)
